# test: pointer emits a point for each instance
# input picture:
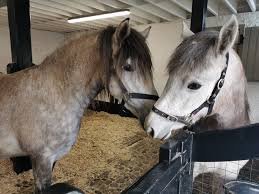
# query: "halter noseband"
(133, 95)
(128, 96)
(209, 103)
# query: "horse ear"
(186, 31)
(121, 33)
(227, 36)
(146, 32)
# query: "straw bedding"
(111, 153)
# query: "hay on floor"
(110, 154)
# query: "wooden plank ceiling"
(52, 15)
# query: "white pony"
(195, 69)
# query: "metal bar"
(252, 5)
(173, 173)
(156, 179)
(232, 5)
(199, 13)
(20, 34)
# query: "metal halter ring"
(220, 83)
(172, 118)
(126, 96)
(210, 101)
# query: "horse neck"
(77, 69)
(231, 106)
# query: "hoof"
(62, 188)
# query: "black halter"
(133, 95)
(128, 96)
(209, 103)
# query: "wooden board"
(250, 53)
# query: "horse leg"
(42, 172)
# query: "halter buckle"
(188, 119)
(210, 101)
(172, 118)
(126, 96)
(220, 83)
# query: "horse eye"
(128, 67)
(194, 86)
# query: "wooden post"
(20, 37)
(2, 3)
(199, 13)
(20, 34)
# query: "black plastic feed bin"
(62, 188)
(241, 187)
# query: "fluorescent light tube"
(103, 15)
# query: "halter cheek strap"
(132, 95)
(127, 95)
(209, 103)
(211, 100)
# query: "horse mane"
(133, 46)
(192, 52)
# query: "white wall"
(5, 51)
(162, 41)
(253, 97)
(43, 43)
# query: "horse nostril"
(142, 122)
(152, 132)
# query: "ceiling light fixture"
(99, 16)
